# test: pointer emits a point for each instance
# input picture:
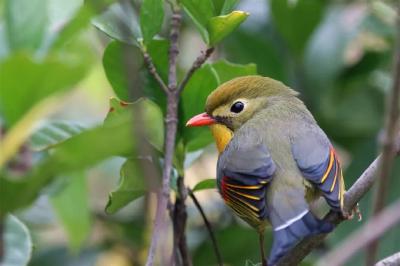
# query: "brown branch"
(196, 65)
(173, 52)
(352, 196)
(392, 260)
(208, 226)
(369, 232)
(153, 71)
(171, 122)
(388, 153)
(179, 217)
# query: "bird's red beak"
(200, 120)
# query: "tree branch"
(352, 196)
(153, 71)
(174, 49)
(196, 65)
(392, 120)
(179, 217)
(208, 226)
(171, 121)
(392, 260)
(369, 232)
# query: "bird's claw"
(355, 210)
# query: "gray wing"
(244, 170)
(318, 162)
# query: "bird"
(274, 160)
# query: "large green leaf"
(72, 209)
(227, 70)
(151, 18)
(75, 25)
(200, 11)
(202, 83)
(53, 133)
(119, 22)
(221, 26)
(17, 243)
(115, 66)
(244, 46)
(25, 23)
(114, 138)
(115, 69)
(296, 20)
(150, 115)
(41, 79)
(131, 185)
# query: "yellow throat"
(222, 135)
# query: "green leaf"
(202, 83)
(221, 26)
(131, 185)
(94, 145)
(218, 5)
(158, 50)
(296, 20)
(119, 22)
(75, 25)
(229, 5)
(17, 243)
(151, 18)
(115, 62)
(244, 46)
(53, 133)
(25, 23)
(73, 200)
(150, 114)
(200, 11)
(205, 184)
(227, 70)
(114, 67)
(41, 79)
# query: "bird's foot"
(350, 216)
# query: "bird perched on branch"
(274, 160)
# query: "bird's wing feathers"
(318, 162)
(244, 170)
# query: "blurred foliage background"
(58, 71)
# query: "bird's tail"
(288, 235)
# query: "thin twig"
(153, 71)
(171, 121)
(370, 231)
(352, 196)
(392, 260)
(208, 226)
(196, 65)
(392, 120)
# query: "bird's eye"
(237, 107)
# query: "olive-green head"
(236, 101)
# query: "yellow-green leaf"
(221, 26)
(205, 184)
